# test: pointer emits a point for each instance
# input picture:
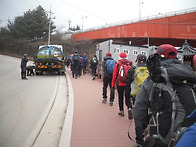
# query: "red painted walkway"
(96, 124)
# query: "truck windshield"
(52, 51)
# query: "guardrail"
(161, 15)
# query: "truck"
(49, 58)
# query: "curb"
(65, 139)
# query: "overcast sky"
(91, 13)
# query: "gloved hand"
(112, 88)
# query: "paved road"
(23, 103)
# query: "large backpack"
(168, 113)
(75, 58)
(110, 63)
(94, 61)
(141, 73)
(85, 60)
(123, 70)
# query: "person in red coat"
(120, 83)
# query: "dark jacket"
(24, 62)
(84, 60)
(130, 78)
(104, 66)
(75, 62)
(185, 95)
(94, 64)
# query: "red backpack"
(123, 68)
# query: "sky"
(91, 13)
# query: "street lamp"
(83, 21)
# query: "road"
(24, 104)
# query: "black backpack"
(166, 97)
(76, 58)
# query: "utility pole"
(83, 21)
(69, 22)
(50, 15)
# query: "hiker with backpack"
(108, 67)
(93, 66)
(165, 98)
(84, 63)
(136, 75)
(119, 78)
(80, 66)
(75, 64)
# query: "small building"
(115, 49)
(132, 51)
(188, 52)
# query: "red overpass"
(171, 28)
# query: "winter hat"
(123, 55)
(141, 57)
(25, 55)
(167, 51)
(109, 54)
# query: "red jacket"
(116, 72)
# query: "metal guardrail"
(180, 12)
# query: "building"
(132, 51)
(188, 53)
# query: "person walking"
(75, 64)
(108, 67)
(136, 75)
(84, 63)
(155, 104)
(93, 66)
(23, 65)
(119, 78)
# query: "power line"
(14, 10)
(85, 11)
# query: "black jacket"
(130, 78)
(185, 95)
(24, 62)
(94, 64)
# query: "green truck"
(49, 58)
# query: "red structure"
(173, 29)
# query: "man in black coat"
(107, 79)
(93, 66)
(185, 102)
(139, 130)
(23, 65)
(75, 64)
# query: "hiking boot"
(104, 100)
(130, 115)
(111, 103)
(121, 113)
(137, 145)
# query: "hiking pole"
(129, 129)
